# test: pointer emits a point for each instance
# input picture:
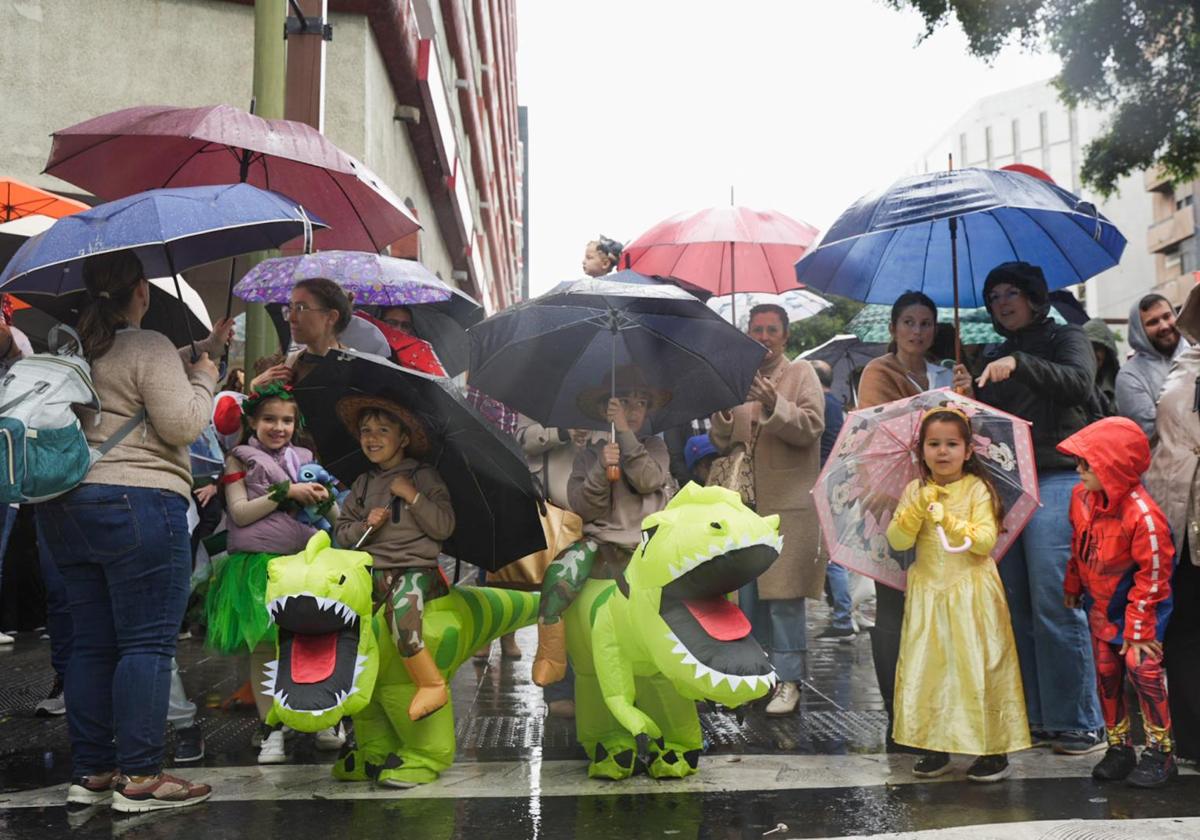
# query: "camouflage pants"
(404, 592)
(564, 578)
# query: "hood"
(1138, 339)
(1117, 451)
(1098, 333)
(1029, 279)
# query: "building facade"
(423, 91)
(1172, 239)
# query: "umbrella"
(141, 148)
(798, 303)
(408, 350)
(846, 354)
(14, 234)
(874, 459)
(495, 504)
(975, 325)
(18, 200)
(540, 355)
(637, 279)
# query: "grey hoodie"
(1140, 380)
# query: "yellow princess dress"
(958, 681)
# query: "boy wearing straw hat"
(402, 509)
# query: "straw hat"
(593, 401)
(349, 409)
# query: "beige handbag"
(735, 471)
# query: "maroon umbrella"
(136, 149)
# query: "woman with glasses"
(318, 313)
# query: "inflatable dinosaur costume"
(337, 658)
(646, 647)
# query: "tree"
(815, 331)
(1139, 60)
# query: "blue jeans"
(124, 556)
(58, 610)
(839, 588)
(8, 516)
(1053, 642)
(779, 626)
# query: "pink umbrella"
(136, 149)
(724, 249)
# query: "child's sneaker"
(1155, 769)
(1117, 764)
(137, 794)
(931, 765)
(93, 789)
(1081, 742)
(189, 744)
(333, 738)
(54, 704)
(273, 749)
(989, 768)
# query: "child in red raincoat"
(1120, 570)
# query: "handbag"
(735, 471)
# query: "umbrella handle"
(613, 472)
(962, 549)
(363, 538)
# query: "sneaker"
(189, 744)
(931, 765)
(1080, 742)
(333, 738)
(92, 790)
(273, 750)
(137, 794)
(6, 639)
(832, 632)
(989, 768)
(1041, 738)
(1117, 763)
(54, 704)
(1155, 769)
(786, 699)
(183, 635)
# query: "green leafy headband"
(270, 391)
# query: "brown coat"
(885, 379)
(787, 460)
(613, 512)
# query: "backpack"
(43, 451)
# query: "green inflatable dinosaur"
(336, 658)
(646, 647)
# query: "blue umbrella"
(905, 238)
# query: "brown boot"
(431, 688)
(550, 663)
(509, 649)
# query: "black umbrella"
(541, 355)
(495, 504)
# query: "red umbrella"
(136, 149)
(724, 249)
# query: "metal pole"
(954, 274)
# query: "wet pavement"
(820, 772)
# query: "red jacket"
(1122, 555)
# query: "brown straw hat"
(591, 403)
(349, 409)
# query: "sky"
(640, 109)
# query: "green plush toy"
(646, 647)
(337, 658)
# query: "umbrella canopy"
(637, 279)
(170, 230)
(875, 457)
(724, 249)
(798, 303)
(495, 505)
(846, 354)
(541, 355)
(900, 239)
(14, 234)
(135, 149)
(18, 200)
(975, 325)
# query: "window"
(1186, 201)
(1172, 259)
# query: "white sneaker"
(786, 698)
(333, 738)
(272, 750)
(6, 639)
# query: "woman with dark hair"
(318, 312)
(120, 540)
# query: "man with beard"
(1156, 342)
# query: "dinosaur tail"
(487, 614)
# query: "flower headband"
(270, 391)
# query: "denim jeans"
(779, 626)
(8, 516)
(58, 610)
(839, 589)
(123, 553)
(1053, 642)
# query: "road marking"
(1167, 828)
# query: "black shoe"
(1155, 769)
(189, 744)
(54, 704)
(1117, 764)
(931, 765)
(832, 632)
(989, 768)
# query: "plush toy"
(337, 658)
(315, 515)
(646, 647)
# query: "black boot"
(1116, 765)
(1155, 769)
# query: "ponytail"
(110, 279)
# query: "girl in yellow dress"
(958, 681)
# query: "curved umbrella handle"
(962, 549)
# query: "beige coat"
(550, 458)
(787, 460)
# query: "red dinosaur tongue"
(313, 657)
(720, 618)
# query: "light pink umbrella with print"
(875, 458)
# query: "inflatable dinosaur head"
(327, 656)
(702, 546)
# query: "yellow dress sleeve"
(980, 525)
(907, 520)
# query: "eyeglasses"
(300, 309)
(403, 326)
(1002, 297)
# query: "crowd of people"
(977, 656)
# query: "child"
(958, 680)
(403, 509)
(612, 511)
(1121, 562)
(699, 454)
(261, 497)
